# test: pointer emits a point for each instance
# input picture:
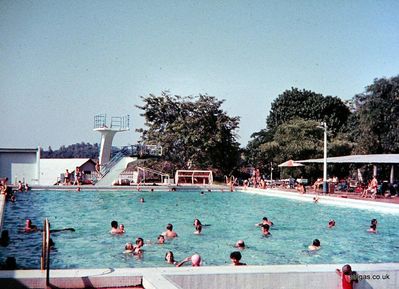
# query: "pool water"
(231, 216)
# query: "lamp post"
(325, 185)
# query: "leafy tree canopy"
(375, 126)
(308, 105)
(193, 130)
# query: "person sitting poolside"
(169, 233)
(114, 228)
(195, 261)
(331, 223)
(265, 230)
(317, 184)
(240, 245)
(315, 245)
(169, 258)
(235, 258)
(198, 226)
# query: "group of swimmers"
(168, 234)
(195, 259)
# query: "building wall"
(19, 165)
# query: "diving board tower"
(108, 131)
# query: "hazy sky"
(62, 62)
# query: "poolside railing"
(45, 257)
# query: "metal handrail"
(45, 257)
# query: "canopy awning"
(290, 164)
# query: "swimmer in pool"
(169, 233)
(315, 245)
(29, 227)
(142, 200)
(114, 228)
(198, 226)
(139, 245)
(265, 230)
(240, 245)
(161, 240)
(122, 228)
(265, 221)
(372, 229)
(331, 223)
(235, 258)
(129, 248)
(195, 261)
(169, 258)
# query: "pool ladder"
(45, 257)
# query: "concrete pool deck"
(377, 276)
(384, 276)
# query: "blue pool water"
(232, 216)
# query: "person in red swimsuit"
(347, 276)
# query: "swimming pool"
(232, 216)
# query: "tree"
(308, 105)
(375, 126)
(194, 131)
(292, 133)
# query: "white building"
(52, 170)
(20, 164)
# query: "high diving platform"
(108, 131)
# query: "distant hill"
(78, 150)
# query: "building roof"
(358, 159)
(19, 150)
(51, 169)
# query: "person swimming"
(195, 261)
(265, 230)
(372, 229)
(198, 226)
(265, 221)
(240, 245)
(169, 258)
(114, 228)
(139, 245)
(315, 245)
(161, 239)
(122, 228)
(331, 223)
(129, 248)
(169, 233)
(29, 227)
(235, 258)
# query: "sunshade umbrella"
(290, 164)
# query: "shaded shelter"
(374, 159)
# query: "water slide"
(115, 171)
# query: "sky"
(63, 62)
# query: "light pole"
(271, 172)
(325, 185)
